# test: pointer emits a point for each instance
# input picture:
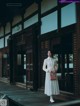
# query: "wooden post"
(76, 49)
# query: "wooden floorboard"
(28, 98)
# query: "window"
(65, 61)
(49, 23)
(70, 60)
(16, 29)
(24, 61)
(55, 56)
(6, 38)
(1, 42)
(68, 15)
(31, 21)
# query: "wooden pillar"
(10, 45)
(12, 57)
(4, 34)
(59, 17)
(22, 20)
(35, 62)
(12, 60)
(76, 49)
(63, 71)
(36, 50)
(0, 64)
(39, 43)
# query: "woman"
(51, 86)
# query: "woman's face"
(49, 54)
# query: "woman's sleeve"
(44, 66)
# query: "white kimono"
(51, 86)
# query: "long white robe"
(51, 86)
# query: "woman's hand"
(53, 72)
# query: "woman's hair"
(50, 51)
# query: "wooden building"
(24, 41)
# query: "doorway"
(63, 53)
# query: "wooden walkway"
(24, 97)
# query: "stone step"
(22, 85)
(3, 79)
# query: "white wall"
(31, 10)
(1, 31)
(31, 21)
(49, 23)
(47, 5)
(68, 15)
(16, 20)
(7, 28)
